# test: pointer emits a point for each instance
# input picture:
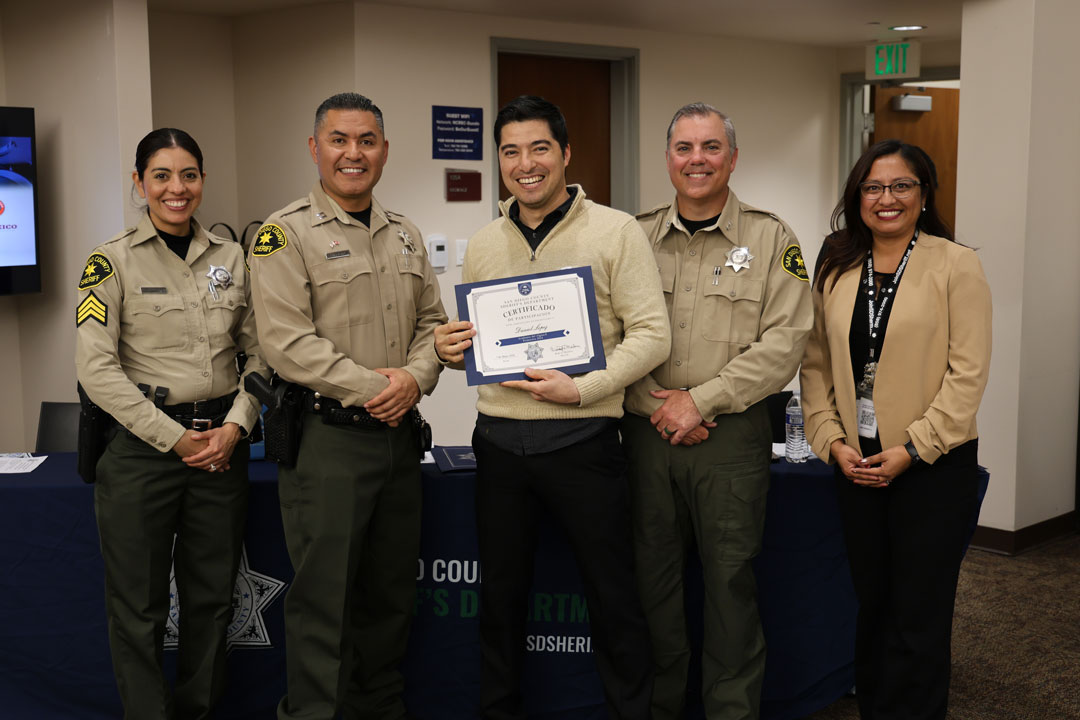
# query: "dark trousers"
(711, 495)
(584, 488)
(905, 543)
(144, 499)
(351, 513)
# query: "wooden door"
(935, 132)
(582, 90)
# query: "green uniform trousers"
(711, 495)
(143, 499)
(351, 511)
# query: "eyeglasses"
(899, 189)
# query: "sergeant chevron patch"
(91, 308)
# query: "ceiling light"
(907, 28)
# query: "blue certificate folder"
(558, 327)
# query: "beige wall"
(1017, 185)
(194, 51)
(935, 54)
(278, 86)
(73, 62)
(783, 98)
(88, 67)
(11, 422)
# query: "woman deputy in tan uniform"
(163, 313)
(892, 378)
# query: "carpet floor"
(1016, 638)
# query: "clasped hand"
(678, 420)
(874, 471)
(208, 450)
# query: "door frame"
(855, 104)
(625, 93)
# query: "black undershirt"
(692, 226)
(364, 216)
(536, 235)
(859, 342)
(179, 244)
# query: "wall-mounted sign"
(893, 60)
(457, 133)
(462, 185)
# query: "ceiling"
(816, 22)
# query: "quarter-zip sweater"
(629, 301)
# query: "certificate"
(545, 321)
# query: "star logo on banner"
(253, 592)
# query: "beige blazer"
(933, 365)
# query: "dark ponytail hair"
(850, 239)
(165, 138)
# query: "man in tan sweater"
(552, 441)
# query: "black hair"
(531, 107)
(165, 138)
(348, 101)
(850, 239)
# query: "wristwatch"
(910, 447)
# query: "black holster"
(95, 431)
(283, 419)
(423, 430)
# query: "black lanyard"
(888, 291)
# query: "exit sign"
(892, 60)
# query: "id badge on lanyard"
(864, 391)
(864, 408)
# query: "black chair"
(58, 427)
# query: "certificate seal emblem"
(738, 258)
(524, 288)
(533, 352)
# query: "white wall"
(935, 54)
(1016, 201)
(1050, 340)
(87, 67)
(11, 422)
(287, 62)
(76, 62)
(196, 51)
(783, 98)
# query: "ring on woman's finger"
(213, 467)
(668, 431)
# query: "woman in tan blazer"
(892, 378)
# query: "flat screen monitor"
(20, 271)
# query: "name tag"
(337, 254)
(864, 408)
(153, 291)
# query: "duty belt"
(333, 413)
(201, 414)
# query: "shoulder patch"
(98, 269)
(268, 240)
(794, 264)
(91, 308)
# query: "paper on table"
(11, 463)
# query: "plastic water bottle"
(795, 446)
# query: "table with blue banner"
(54, 655)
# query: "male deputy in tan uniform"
(697, 432)
(346, 302)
